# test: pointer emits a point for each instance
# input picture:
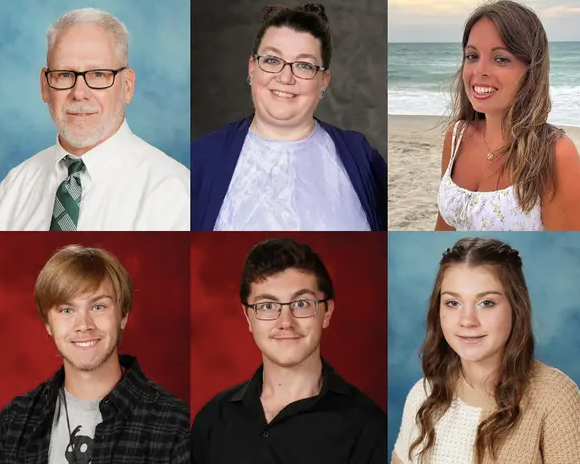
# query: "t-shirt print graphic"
(79, 449)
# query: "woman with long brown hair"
(484, 397)
(504, 167)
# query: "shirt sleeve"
(408, 429)
(560, 442)
(181, 453)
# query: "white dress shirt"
(127, 184)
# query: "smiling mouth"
(482, 92)
(86, 343)
(280, 94)
(81, 114)
(472, 339)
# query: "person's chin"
(81, 140)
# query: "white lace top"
(495, 210)
(291, 185)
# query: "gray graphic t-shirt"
(84, 416)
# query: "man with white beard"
(99, 175)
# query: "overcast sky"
(443, 20)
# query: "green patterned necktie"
(68, 198)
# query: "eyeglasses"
(270, 310)
(98, 79)
(301, 69)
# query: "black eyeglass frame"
(286, 63)
(254, 307)
(83, 73)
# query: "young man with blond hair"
(98, 407)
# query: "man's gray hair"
(98, 18)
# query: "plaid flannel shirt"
(142, 423)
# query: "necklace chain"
(70, 443)
(490, 154)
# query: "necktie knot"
(74, 166)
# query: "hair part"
(74, 270)
(98, 18)
(275, 256)
(530, 150)
(309, 17)
(442, 366)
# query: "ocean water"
(420, 74)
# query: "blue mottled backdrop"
(159, 52)
(552, 269)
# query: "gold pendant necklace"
(490, 154)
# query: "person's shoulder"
(157, 160)
(349, 135)
(164, 399)
(21, 404)
(565, 152)
(212, 408)
(366, 406)
(546, 380)
(168, 407)
(420, 390)
(356, 142)
(200, 144)
(32, 166)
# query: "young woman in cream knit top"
(484, 398)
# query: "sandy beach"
(414, 167)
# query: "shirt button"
(266, 434)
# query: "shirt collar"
(126, 394)
(98, 159)
(331, 381)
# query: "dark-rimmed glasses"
(65, 79)
(271, 310)
(301, 69)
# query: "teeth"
(283, 94)
(483, 90)
(86, 344)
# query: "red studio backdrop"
(223, 352)
(157, 332)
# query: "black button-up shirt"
(142, 423)
(340, 425)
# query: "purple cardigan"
(214, 157)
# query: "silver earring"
(323, 93)
(249, 80)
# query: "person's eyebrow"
(270, 297)
(479, 295)
(298, 57)
(304, 291)
(494, 49)
(266, 296)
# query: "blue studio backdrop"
(159, 52)
(552, 269)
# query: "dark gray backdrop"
(222, 35)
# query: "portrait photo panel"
(223, 351)
(223, 36)
(480, 314)
(483, 115)
(159, 53)
(157, 328)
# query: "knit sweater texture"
(547, 432)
